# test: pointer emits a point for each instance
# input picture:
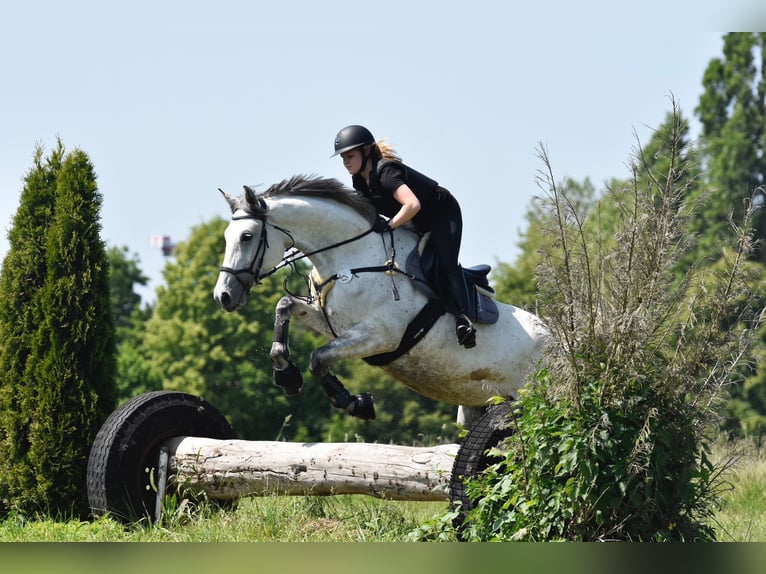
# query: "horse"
(363, 301)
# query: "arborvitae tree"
(67, 355)
(23, 275)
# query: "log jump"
(231, 469)
(169, 439)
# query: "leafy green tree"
(124, 274)
(69, 355)
(193, 346)
(134, 373)
(732, 112)
(517, 283)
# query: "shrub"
(612, 435)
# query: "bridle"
(253, 270)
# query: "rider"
(402, 194)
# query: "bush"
(612, 435)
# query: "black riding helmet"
(352, 137)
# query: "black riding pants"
(446, 235)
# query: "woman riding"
(402, 194)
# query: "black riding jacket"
(386, 177)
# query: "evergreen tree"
(23, 275)
(68, 352)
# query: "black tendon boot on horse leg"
(360, 406)
(458, 291)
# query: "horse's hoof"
(290, 379)
(363, 407)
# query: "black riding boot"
(458, 290)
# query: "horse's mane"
(311, 186)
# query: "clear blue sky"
(172, 100)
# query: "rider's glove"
(381, 225)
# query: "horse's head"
(250, 250)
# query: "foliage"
(517, 283)
(124, 274)
(58, 355)
(134, 373)
(611, 438)
(732, 111)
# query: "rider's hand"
(381, 225)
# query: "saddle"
(421, 264)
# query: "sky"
(172, 100)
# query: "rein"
(254, 268)
(253, 271)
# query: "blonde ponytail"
(386, 151)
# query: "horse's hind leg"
(286, 373)
(358, 342)
(360, 405)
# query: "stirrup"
(465, 331)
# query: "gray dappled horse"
(367, 302)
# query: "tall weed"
(612, 436)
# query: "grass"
(348, 518)
(742, 516)
(263, 519)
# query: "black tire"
(490, 429)
(126, 449)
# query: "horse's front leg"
(355, 343)
(286, 373)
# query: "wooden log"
(230, 469)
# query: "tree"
(124, 275)
(134, 373)
(192, 345)
(23, 276)
(67, 389)
(732, 111)
(517, 283)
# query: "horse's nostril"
(225, 299)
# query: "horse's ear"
(232, 201)
(254, 200)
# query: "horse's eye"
(246, 236)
